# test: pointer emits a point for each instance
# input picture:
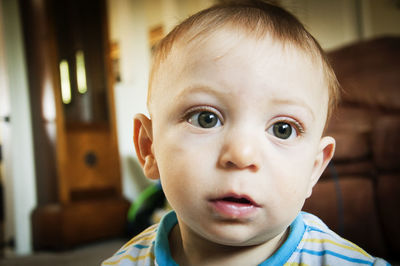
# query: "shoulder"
(139, 250)
(144, 248)
(322, 246)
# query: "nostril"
(253, 167)
(230, 164)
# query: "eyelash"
(199, 109)
(295, 124)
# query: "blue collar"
(280, 257)
(162, 251)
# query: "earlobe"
(324, 156)
(143, 140)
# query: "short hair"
(255, 18)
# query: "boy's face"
(236, 136)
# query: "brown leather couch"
(358, 195)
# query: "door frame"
(17, 139)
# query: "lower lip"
(233, 210)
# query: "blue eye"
(204, 119)
(282, 130)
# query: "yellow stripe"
(358, 248)
(139, 236)
(148, 238)
(354, 247)
(315, 223)
(131, 242)
(295, 264)
(131, 258)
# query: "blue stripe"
(321, 253)
(140, 246)
(121, 252)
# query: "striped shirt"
(310, 242)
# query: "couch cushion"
(369, 72)
(342, 168)
(351, 127)
(386, 142)
(360, 220)
(388, 191)
(351, 146)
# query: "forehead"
(228, 53)
(219, 42)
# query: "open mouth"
(234, 206)
(237, 200)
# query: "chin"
(235, 238)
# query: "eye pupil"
(207, 119)
(282, 130)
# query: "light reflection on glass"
(81, 72)
(65, 83)
(48, 106)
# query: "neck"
(188, 248)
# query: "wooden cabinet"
(75, 141)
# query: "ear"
(325, 153)
(143, 139)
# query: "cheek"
(175, 151)
(176, 147)
(180, 162)
(292, 170)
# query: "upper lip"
(237, 198)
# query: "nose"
(240, 151)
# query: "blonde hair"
(254, 18)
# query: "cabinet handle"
(6, 118)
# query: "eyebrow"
(297, 102)
(200, 89)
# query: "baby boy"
(239, 96)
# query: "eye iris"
(282, 130)
(207, 119)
